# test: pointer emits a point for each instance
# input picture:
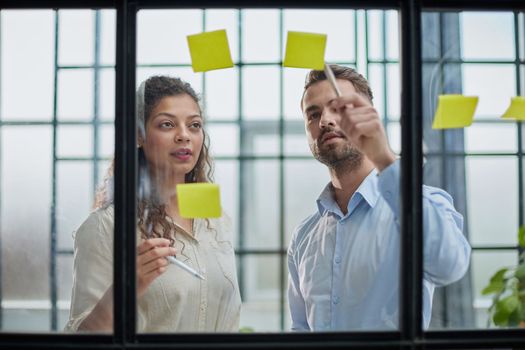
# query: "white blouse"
(176, 301)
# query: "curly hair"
(152, 216)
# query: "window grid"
(434, 340)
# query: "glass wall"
(476, 54)
(57, 140)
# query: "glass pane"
(393, 130)
(75, 94)
(338, 25)
(76, 37)
(106, 91)
(462, 201)
(393, 91)
(255, 80)
(261, 206)
(108, 40)
(491, 138)
(488, 35)
(490, 182)
(493, 84)
(43, 198)
(260, 307)
(222, 95)
(224, 139)
(292, 94)
(23, 34)
(296, 145)
(245, 107)
(376, 33)
(392, 39)
(26, 179)
(106, 139)
(261, 138)
(260, 39)
(74, 200)
(227, 177)
(166, 26)
(75, 141)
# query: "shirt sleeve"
(92, 268)
(295, 298)
(446, 251)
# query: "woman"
(172, 150)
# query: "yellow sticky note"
(454, 111)
(209, 51)
(199, 200)
(516, 109)
(305, 50)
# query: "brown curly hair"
(152, 216)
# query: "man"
(343, 259)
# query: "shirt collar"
(368, 191)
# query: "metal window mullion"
(124, 274)
(203, 76)
(241, 163)
(53, 223)
(521, 181)
(96, 99)
(385, 75)
(1, 172)
(367, 48)
(411, 174)
(281, 208)
(443, 148)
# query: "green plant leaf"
(509, 304)
(493, 287)
(500, 317)
(520, 272)
(521, 236)
(514, 318)
(499, 275)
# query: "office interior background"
(57, 113)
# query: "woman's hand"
(151, 262)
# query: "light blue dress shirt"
(344, 269)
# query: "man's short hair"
(340, 72)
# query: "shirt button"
(336, 300)
(388, 195)
(337, 259)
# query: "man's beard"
(337, 156)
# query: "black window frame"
(410, 335)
